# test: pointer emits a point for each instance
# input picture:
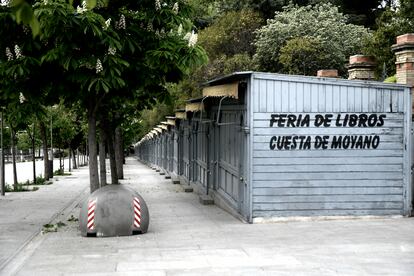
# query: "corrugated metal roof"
(237, 76)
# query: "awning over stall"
(230, 90)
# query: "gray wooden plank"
(351, 101)
(358, 99)
(387, 101)
(266, 123)
(275, 183)
(327, 191)
(326, 206)
(324, 168)
(380, 100)
(327, 175)
(310, 213)
(235, 186)
(322, 98)
(343, 98)
(270, 95)
(365, 99)
(229, 184)
(401, 102)
(327, 198)
(327, 153)
(285, 97)
(314, 97)
(394, 102)
(228, 167)
(267, 115)
(384, 138)
(382, 146)
(328, 131)
(336, 103)
(328, 161)
(307, 99)
(300, 96)
(278, 96)
(292, 96)
(262, 96)
(256, 95)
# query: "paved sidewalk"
(186, 238)
(23, 214)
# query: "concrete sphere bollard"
(113, 210)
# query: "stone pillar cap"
(357, 59)
(405, 38)
(327, 73)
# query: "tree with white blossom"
(323, 23)
(117, 51)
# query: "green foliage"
(237, 63)
(60, 173)
(232, 33)
(149, 118)
(323, 22)
(64, 125)
(266, 8)
(391, 79)
(390, 24)
(49, 227)
(72, 218)
(41, 181)
(24, 139)
(302, 56)
(82, 59)
(360, 12)
(229, 44)
(21, 187)
(204, 12)
(23, 13)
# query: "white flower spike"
(22, 98)
(180, 29)
(82, 9)
(107, 23)
(18, 52)
(157, 5)
(175, 8)
(9, 54)
(192, 41)
(122, 22)
(5, 3)
(111, 51)
(99, 67)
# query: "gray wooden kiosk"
(269, 146)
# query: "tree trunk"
(119, 152)
(45, 153)
(60, 161)
(34, 156)
(2, 175)
(93, 158)
(70, 158)
(15, 183)
(102, 153)
(75, 164)
(110, 143)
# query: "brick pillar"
(404, 53)
(331, 73)
(361, 67)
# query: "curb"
(10, 268)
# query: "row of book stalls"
(269, 146)
(202, 145)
